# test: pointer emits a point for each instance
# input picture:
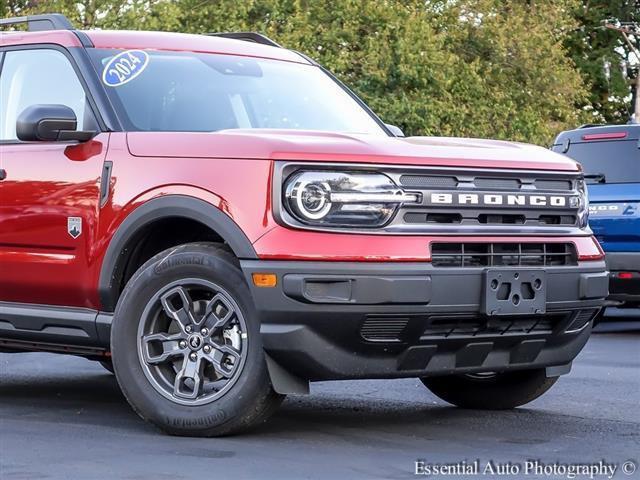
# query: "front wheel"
(491, 391)
(185, 344)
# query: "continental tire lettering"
(216, 418)
(173, 261)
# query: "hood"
(614, 192)
(338, 147)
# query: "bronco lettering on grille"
(513, 200)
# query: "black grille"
(383, 329)
(475, 199)
(428, 181)
(553, 184)
(497, 218)
(502, 254)
(497, 183)
(474, 326)
(483, 182)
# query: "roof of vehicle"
(187, 42)
(594, 133)
(123, 39)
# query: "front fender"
(172, 205)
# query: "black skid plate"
(515, 292)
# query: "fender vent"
(384, 329)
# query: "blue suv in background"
(610, 157)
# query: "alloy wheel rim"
(192, 341)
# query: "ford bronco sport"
(221, 221)
(610, 156)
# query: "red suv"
(220, 221)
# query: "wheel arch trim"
(168, 206)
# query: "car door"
(49, 192)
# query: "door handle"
(3, 174)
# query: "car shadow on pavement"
(94, 399)
(37, 388)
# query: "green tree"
(590, 45)
(106, 14)
(529, 87)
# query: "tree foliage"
(591, 46)
(483, 68)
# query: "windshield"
(198, 92)
(608, 162)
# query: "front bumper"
(624, 289)
(346, 320)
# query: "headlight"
(342, 199)
(583, 207)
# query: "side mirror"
(50, 123)
(397, 131)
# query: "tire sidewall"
(214, 265)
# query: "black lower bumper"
(624, 277)
(329, 320)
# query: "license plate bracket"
(515, 292)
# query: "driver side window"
(40, 76)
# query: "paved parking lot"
(63, 417)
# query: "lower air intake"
(503, 254)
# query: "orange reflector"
(264, 279)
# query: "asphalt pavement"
(64, 418)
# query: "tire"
(107, 364)
(499, 391)
(159, 349)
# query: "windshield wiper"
(596, 177)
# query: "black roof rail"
(247, 37)
(39, 23)
(591, 125)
